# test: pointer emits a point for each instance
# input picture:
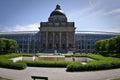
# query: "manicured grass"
(100, 62)
(48, 63)
(116, 79)
(5, 62)
(4, 78)
(93, 56)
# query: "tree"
(117, 45)
(109, 46)
(8, 45)
(2, 44)
(100, 46)
(12, 45)
(97, 46)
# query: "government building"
(58, 34)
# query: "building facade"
(57, 34)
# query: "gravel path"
(58, 74)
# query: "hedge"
(47, 63)
(106, 63)
(6, 63)
(100, 63)
(12, 65)
(30, 55)
(93, 56)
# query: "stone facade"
(57, 33)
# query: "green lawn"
(116, 79)
(99, 63)
(4, 78)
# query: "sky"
(88, 15)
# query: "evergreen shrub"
(46, 63)
(106, 63)
(12, 65)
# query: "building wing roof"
(18, 32)
(76, 32)
(97, 32)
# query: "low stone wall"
(81, 59)
(51, 58)
(23, 58)
(16, 59)
(28, 58)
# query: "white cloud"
(90, 10)
(116, 10)
(29, 27)
(113, 11)
(94, 3)
(114, 29)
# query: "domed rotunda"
(57, 15)
(57, 34)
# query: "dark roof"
(57, 11)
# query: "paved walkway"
(58, 74)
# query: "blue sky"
(88, 15)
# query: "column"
(67, 39)
(74, 40)
(46, 39)
(34, 45)
(91, 45)
(84, 44)
(53, 40)
(23, 44)
(60, 40)
(28, 44)
(81, 45)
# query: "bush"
(30, 55)
(106, 63)
(11, 65)
(100, 63)
(6, 63)
(74, 67)
(93, 56)
(46, 63)
(8, 56)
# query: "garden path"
(58, 74)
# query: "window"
(70, 45)
(63, 46)
(43, 45)
(50, 46)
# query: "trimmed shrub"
(6, 63)
(93, 56)
(47, 63)
(100, 63)
(11, 65)
(106, 63)
(74, 67)
(30, 55)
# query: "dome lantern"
(58, 7)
